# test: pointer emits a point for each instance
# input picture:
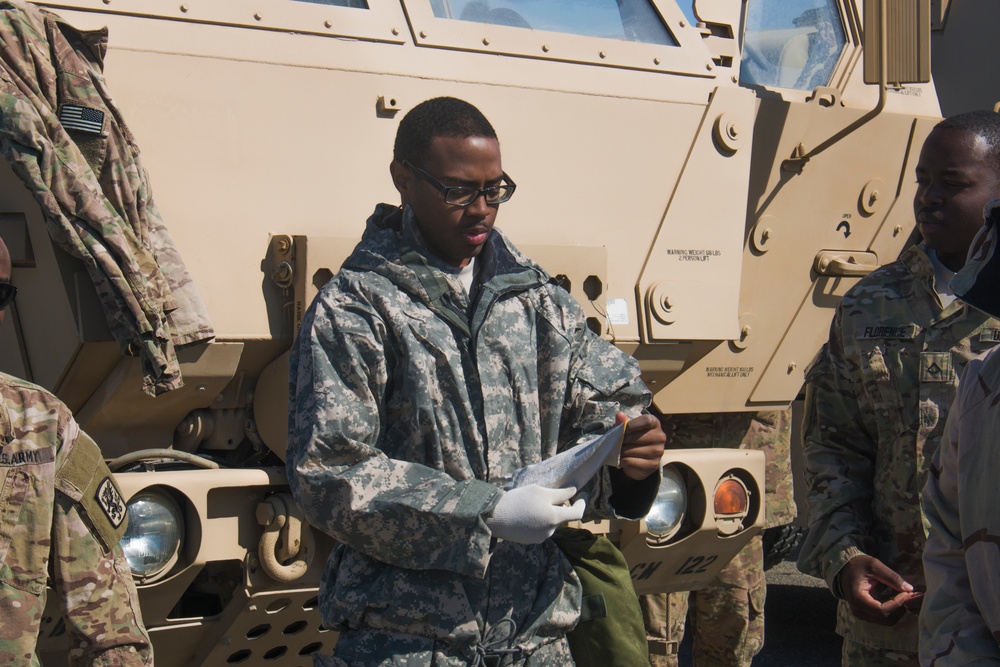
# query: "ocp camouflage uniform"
(66, 139)
(727, 616)
(61, 512)
(876, 402)
(410, 404)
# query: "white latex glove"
(530, 514)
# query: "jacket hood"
(978, 282)
(392, 246)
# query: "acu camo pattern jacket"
(877, 398)
(410, 406)
(61, 512)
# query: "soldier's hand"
(530, 514)
(642, 446)
(859, 580)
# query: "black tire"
(780, 542)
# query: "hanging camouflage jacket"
(65, 138)
(876, 402)
(61, 511)
(410, 406)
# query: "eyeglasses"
(463, 195)
(7, 293)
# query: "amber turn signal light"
(731, 497)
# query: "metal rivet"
(656, 61)
(328, 23)
(395, 31)
(683, 24)
(257, 16)
(486, 41)
(184, 8)
(423, 34)
(792, 366)
(545, 48)
(603, 54)
(710, 66)
(897, 230)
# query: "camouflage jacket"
(960, 616)
(876, 402)
(410, 405)
(65, 138)
(61, 513)
(769, 431)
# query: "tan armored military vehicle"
(707, 177)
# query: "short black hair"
(437, 117)
(983, 123)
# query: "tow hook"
(287, 545)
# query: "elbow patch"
(85, 478)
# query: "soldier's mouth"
(930, 220)
(476, 235)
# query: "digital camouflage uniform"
(877, 397)
(727, 616)
(65, 138)
(960, 616)
(61, 515)
(409, 407)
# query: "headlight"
(153, 539)
(664, 519)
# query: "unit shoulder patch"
(111, 501)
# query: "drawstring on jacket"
(495, 646)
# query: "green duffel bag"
(611, 632)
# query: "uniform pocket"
(12, 491)
(883, 389)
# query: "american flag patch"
(82, 119)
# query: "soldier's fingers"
(892, 610)
(642, 424)
(648, 432)
(881, 572)
(651, 453)
(638, 469)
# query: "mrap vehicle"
(707, 177)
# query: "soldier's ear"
(401, 178)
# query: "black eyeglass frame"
(446, 190)
(8, 292)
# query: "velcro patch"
(85, 479)
(81, 119)
(936, 367)
(111, 501)
(887, 331)
(25, 457)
